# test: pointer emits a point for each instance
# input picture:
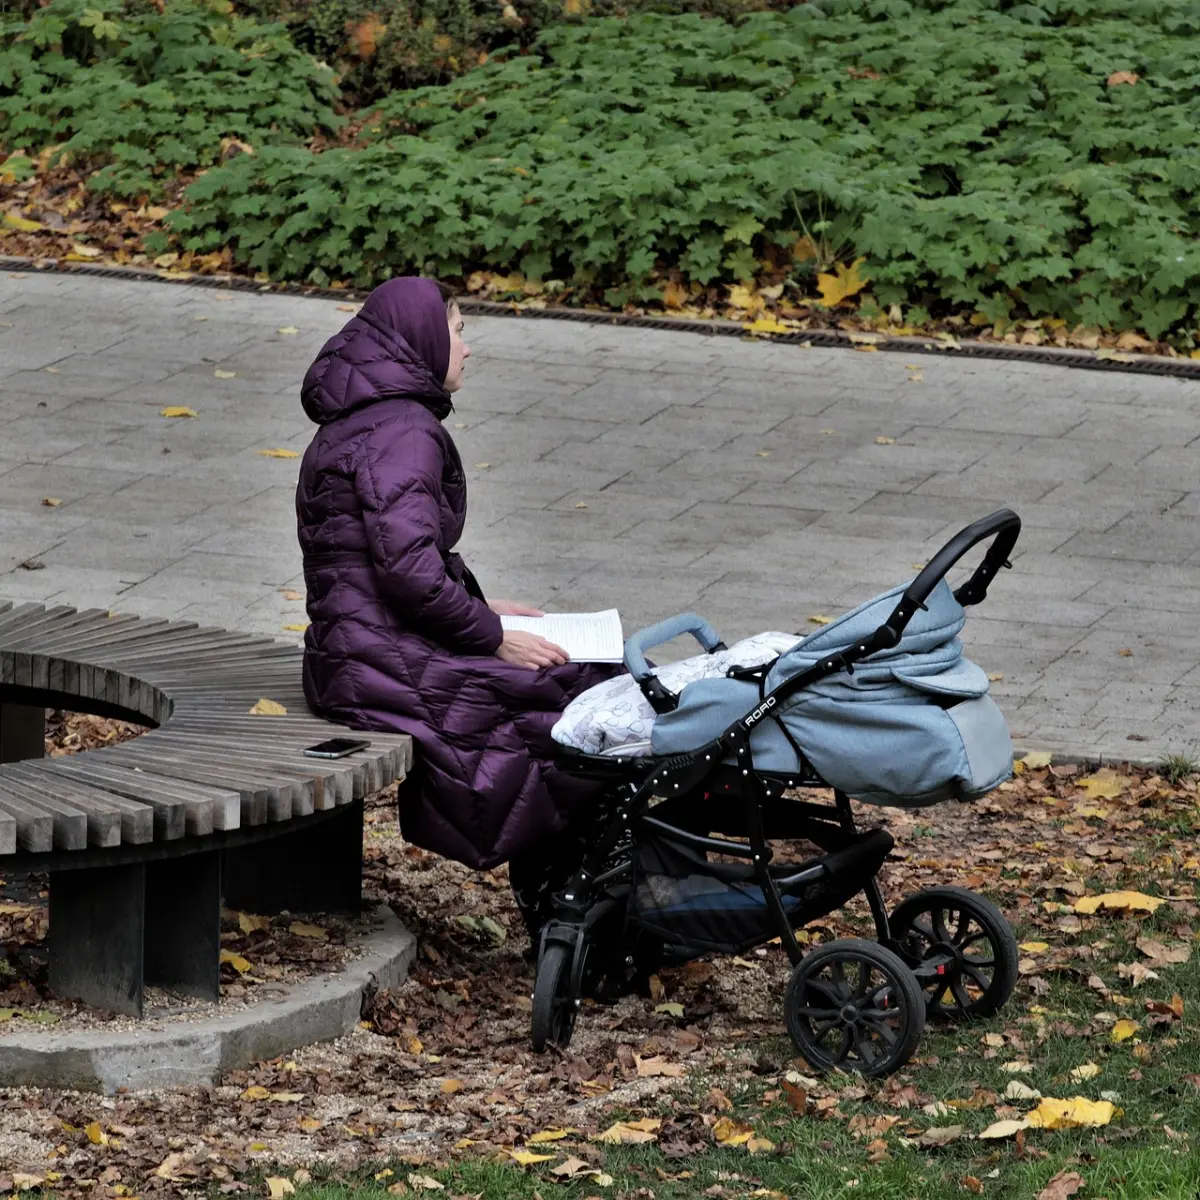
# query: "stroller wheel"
(961, 949)
(854, 1005)
(554, 999)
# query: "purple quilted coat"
(400, 636)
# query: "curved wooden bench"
(143, 839)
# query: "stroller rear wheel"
(961, 948)
(555, 1000)
(856, 1006)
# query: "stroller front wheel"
(854, 1005)
(961, 948)
(554, 999)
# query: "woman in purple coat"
(401, 637)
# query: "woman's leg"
(536, 875)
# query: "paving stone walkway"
(649, 470)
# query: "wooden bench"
(144, 839)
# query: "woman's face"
(459, 350)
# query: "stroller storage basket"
(701, 906)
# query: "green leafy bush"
(145, 93)
(983, 156)
(379, 46)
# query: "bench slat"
(34, 637)
(103, 821)
(136, 817)
(70, 823)
(35, 826)
(168, 798)
(199, 768)
(8, 830)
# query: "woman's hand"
(511, 608)
(529, 650)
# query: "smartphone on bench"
(337, 747)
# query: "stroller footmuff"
(880, 704)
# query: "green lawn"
(1148, 1152)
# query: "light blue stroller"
(880, 705)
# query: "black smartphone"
(337, 747)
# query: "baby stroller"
(879, 704)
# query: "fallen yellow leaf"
(288, 330)
(1105, 782)
(819, 619)
(1087, 1071)
(767, 325)
(236, 961)
(1035, 947)
(1071, 1114)
(22, 224)
(23, 1182)
(267, 708)
(278, 453)
(291, 594)
(669, 1009)
(1118, 902)
(1124, 1029)
(249, 923)
(528, 1158)
(95, 1134)
(178, 410)
(1036, 759)
(885, 441)
(256, 1092)
(296, 627)
(845, 282)
(51, 501)
(278, 1187)
(310, 1124)
(304, 930)
(549, 1135)
(450, 1086)
(219, 374)
(630, 1133)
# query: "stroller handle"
(1002, 527)
(638, 643)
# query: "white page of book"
(586, 637)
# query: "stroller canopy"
(910, 726)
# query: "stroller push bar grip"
(636, 645)
(1004, 526)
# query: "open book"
(586, 637)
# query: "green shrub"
(144, 94)
(380, 46)
(982, 156)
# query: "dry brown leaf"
(1063, 1186)
(302, 929)
(1163, 955)
(1119, 77)
(648, 1068)
(939, 1135)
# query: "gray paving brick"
(660, 435)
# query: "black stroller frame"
(917, 967)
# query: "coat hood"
(397, 345)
